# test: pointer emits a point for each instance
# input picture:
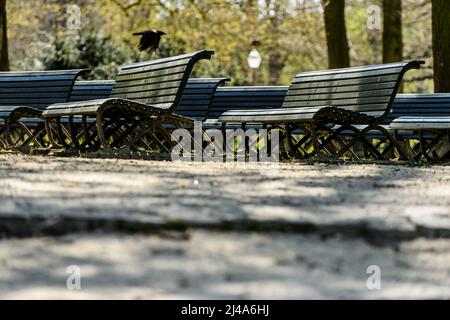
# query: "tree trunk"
(276, 65)
(441, 45)
(338, 50)
(4, 60)
(276, 58)
(392, 31)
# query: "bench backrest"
(91, 90)
(245, 98)
(369, 89)
(420, 105)
(197, 97)
(36, 89)
(160, 83)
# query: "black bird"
(149, 40)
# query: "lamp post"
(254, 62)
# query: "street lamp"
(254, 62)
(254, 59)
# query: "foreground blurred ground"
(145, 229)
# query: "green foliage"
(4, 57)
(291, 35)
(87, 50)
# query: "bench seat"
(7, 112)
(290, 115)
(270, 115)
(421, 123)
(93, 107)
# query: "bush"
(100, 54)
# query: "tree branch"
(127, 7)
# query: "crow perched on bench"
(149, 40)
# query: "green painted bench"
(23, 97)
(426, 117)
(318, 101)
(144, 98)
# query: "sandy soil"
(222, 266)
(244, 231)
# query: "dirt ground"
(155, 230)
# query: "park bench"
(405, 105)
(143, 100)
(420, 122)
(23, 96)
(194, 103)
(318, 101)
(425, 118)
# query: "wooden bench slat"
(13, 91)
(343, 83)
(143, 82)
(5, 96)
(305, 90)
(144, 75)
(148, 94)
(370, 75)
(340, 95)
(155, 68)
(147, 88)
(194, 99)
(36, 78)
(360, 69)
(164, 60)
(36, 84)
(354, 103)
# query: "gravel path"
(242, 231)
(216, 265)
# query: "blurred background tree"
(336, 31)
(88, 50)
(441, 44)
(291, 35)
(392, 31)
(4, 57)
